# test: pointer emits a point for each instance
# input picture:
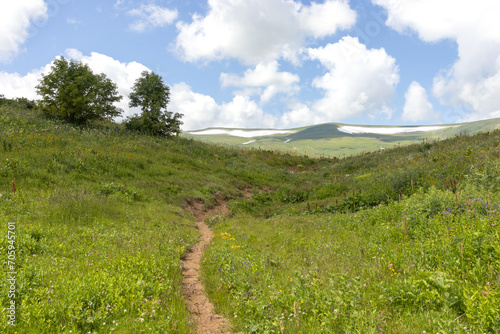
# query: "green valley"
(400, 240)
(335, 139)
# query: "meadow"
(403, 240)
(400, 241)
(101, 221)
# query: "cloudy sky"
(272, 63)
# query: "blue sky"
(272, 63)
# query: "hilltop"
(336, 139)
(401, 240)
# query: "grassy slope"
(320, 247)
(100, 224)
(400, 241)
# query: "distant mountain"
(335, 139)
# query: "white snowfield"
(240, 133)
(389, 131)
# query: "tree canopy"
(152, 96)
(71, 91)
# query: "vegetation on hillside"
(397, 241)
(152, 96)
(400, 241)
(101, 222)
(72, 92)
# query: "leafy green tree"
(152, 96)
(71, 91)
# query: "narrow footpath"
(207, 321)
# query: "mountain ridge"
(337, 139)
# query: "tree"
(152, 96)
(71, 91)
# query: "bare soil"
(207, 321)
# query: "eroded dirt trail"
(207, 321)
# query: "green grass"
(101, 220)
(401, 241)
(404, 240)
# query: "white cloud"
(323, 19)
(151, 16)
(201, 111)
(474, 80)
(15, 20)
(300, 115)
(264, 80)
(244, 112)
(256, 31)
(417, 107)
(359, 81)
(14, 85)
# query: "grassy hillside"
(100, 220)
(325, 140)
(403, 240)
(400, 241)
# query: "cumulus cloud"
(473, 81)
(300, 114)
(14, 85)
(256, 31)
(265, 80)
(417, 107)
(15, 20)
(359, 81)
(151, 16)
(201, 111)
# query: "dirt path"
(207, 321)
